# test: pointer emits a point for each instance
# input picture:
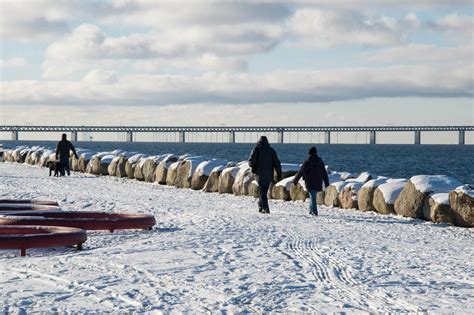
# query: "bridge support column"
(129, 136)
(15, 135)
(327, 137)
(373, 137)
(462, 137)
(231, 136)
(417, 137)
(74, 136)
(280, 136)
(182, 136)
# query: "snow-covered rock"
(416, 191)
(186, 171)
(386, 194)
(331, 198)
(281, 190)
(298, 191)
(172, 173)
(227, 178)
(436, 208)
(242, 180)
(212, 183)
(203, 171)
(131, 164)
(462, 205)
(348, 196)
(365, 196)
(161, 171)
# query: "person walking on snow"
(263, 160)
(314, 174)
(63, 152)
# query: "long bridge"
(232, 130)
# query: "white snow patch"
(467, 189)
(374, 183)
(391, 189)
(339, 185)
(206, 167)
(434, 183)
(441, 198)
(286, 182)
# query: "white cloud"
(277, 86)
(324, 28)
(34, 20)
(12, 63)
(87, 46)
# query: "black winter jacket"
(263, 160)
(63, 148)
(314, 173)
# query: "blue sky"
(119, 61)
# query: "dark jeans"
(313, 206)
(263, 199)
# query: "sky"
(320, 63)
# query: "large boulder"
(365, 196)
(416, 191)
(281, 190)
(112, 168)
(7, 155)
(149, 168)
(84, 160)
(298, 191)
(120, 167)
(202, 173)
(186, 171)
(331, 198)
(161, 170)
(172, 173)
(436, 208)
(242, 180)
(227, 178)
(348, 196)
(462, 205)
(99, 164)
(131, 164)
(212, 183)
(138, 170)
(386, 194)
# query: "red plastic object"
(30, 201)
(24, 237)
(26, 206)
(80, 219)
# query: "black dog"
(54, 166)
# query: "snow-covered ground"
(212, 252)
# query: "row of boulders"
(436, 198)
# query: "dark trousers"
(263, 199)
(64, 167)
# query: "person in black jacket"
(63, 152)
(263, 160)
(314, 174)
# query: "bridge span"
(232, 130)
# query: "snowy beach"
(214, 252)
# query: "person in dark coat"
(63, 153)
(314, 174)
(263, 160)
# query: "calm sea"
(380, 159)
